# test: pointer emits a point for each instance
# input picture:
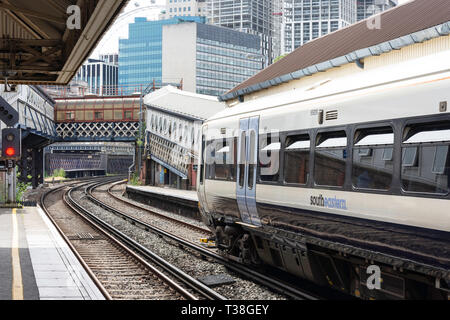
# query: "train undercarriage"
(355, 271)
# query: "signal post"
(11, 145)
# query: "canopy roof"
(40, 41)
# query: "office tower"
(210, 59)
(101, 75)
(249, 16)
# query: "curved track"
(118, 271)
(261, 278)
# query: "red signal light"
(10, 152)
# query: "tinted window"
(242, 158)
(296, 159)
(372, 166)
(426, 158)
(329, 160)
(252, 159)
(221, 167)
(269, 157)
(210, 159)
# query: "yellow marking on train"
(17, 286)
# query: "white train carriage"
(280, 172)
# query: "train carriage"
(326, 181)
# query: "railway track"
(105, 194)
(267, 280)
(118, 271)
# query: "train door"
(246, 171)
(201, 170)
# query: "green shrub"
(134, 179)
(59, 173)
(21, 187)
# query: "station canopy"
(46, 41)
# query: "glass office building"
(140, 56)
(305, 20)
(249, 16)
(225, 58)
(210, 59)
(101, 76)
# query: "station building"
(173, 133)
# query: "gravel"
(189, 262)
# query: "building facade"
(140, 56)
(249, 16)
(100, 75)
(214, 59)
(182, 8)
(173, 135)
(306, 20)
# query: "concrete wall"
(179, 54)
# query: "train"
(328, 183)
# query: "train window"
(372, 166)
(242, 158)
(330, 158)
(202, 159)
(210, 159)
(221, 167)
(426, 158)
(296, 159)
(252, 159)
(233, 158)
(269, 157)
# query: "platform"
(184, 202)
(35, 261)
(167, 192)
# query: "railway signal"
(8, 114)
(11, 144)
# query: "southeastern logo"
(335, 203)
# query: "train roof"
(401, 26)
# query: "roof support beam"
(57, 19)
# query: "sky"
(136, 8)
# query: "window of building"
(70, 115)
(330, 158)
(98, 115)
(128, 115)
(372, 166)
(296, 159)
(426, 158)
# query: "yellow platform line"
(17, 286)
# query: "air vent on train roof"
(331, 115)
